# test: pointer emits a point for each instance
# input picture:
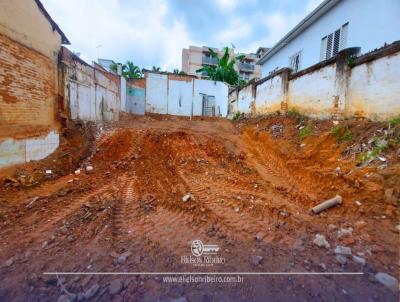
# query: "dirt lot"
(248, 186)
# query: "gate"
(208, 105)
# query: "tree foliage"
(180, 72)
(129, 70)
(224, 70)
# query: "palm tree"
(129, 70)
(224, 70)
(158, 69)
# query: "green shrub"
(341, 134)
(236, 116)
(347, 136)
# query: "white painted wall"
(157, 93)
(371, 24)
(245, 99)
(269, 95)
(217, 89)
(180, 97)
(374, 88)
(18, 151)
(368, 90)
(313, 93)
(173, 96)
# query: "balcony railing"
(209, 61)
(246, 66)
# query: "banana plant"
(224, 70)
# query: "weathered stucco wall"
(367, 86)
(157, 93)
(374, 88)
(180, 95)
(246, 99)
(269, 95)
(89, 93)
(313, 93)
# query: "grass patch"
(342, 135)
(306, 131)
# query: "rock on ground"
(359, 260)
(388, 281)
(341, 259)
(321, 241)
(343, 250)
(256, 260)
(115, 286)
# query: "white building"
(331, 27)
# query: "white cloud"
(237, 29)
(278, 24)
(227, 4)
(137, 31)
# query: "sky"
(153, 32)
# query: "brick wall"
(27, 90)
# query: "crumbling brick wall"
(27, 90)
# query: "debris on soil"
(388, 281)
(187, 197)
(344, 232)
(341, 259)
(327, 204)
(359, 260)
(343, 250)
(256, 260)
(254, 185)
(321, 241)
(115, 287)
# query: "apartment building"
(196, 57)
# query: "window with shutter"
(329, 47)
(334, 42)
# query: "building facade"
(195, 57)
(333, 26)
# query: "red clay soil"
(251, 189)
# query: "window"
(295, 61)
(334, 42)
